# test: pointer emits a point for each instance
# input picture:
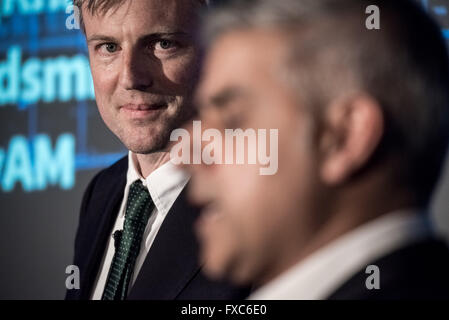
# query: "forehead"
(141, 16)
(247, 57)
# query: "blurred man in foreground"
(363, 130)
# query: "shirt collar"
(164, 184)
(320, 274)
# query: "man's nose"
(136, 71)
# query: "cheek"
(104, 87)
(181, 72)
(220, 241)
(105, 77)
(103, 84)
(247, 198)
(259, 207)
(237, 194)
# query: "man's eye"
(164, 45)
(110, 47)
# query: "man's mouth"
(144, 106)
(142, 109)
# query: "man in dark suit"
(359, 93)
(135, 238)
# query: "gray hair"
(403, 66)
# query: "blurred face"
(252, 225)
(144, 67)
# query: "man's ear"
(352, 130)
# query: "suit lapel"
(100, 221)
(172, 260)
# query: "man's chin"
(214, 272)
(146, 149)
(147, 146)
(225, 270)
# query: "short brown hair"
(103, 6)
(95, 6)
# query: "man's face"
(144, 66)
(252, 224)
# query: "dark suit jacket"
(170, 270)
(416, 271)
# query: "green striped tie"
(138, 209)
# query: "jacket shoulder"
(115, 170)
(107, 176)
(101, 185)
(416, 271)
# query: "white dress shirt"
(324, 271)
(164, 185)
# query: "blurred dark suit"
(415, 271)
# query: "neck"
(147, 163)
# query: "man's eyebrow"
(225, 96)
(100, 37)
(155, 35)
(168, 33)
(159, 35)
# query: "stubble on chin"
(154, 136)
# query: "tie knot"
(139, 200)
(138, 187)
